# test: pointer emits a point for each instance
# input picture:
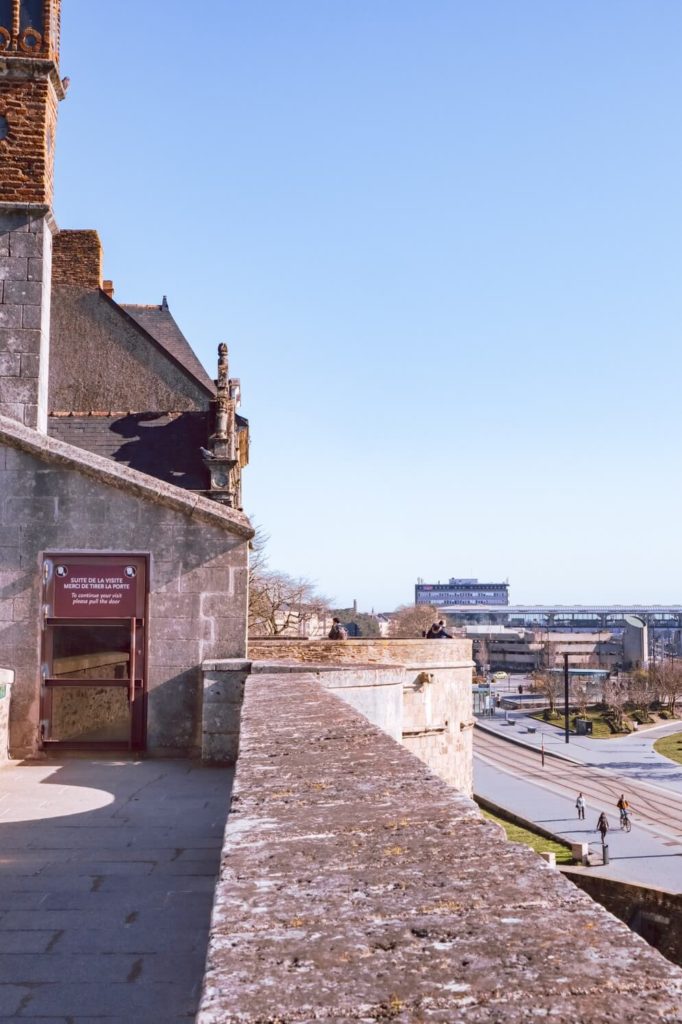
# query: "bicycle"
(625, 823)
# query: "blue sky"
(443, 240)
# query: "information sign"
(106, 591)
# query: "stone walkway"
(107, 874)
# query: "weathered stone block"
(171, 605)
(11, 316)
(35, 510)
(10, 558)
(174, 629)
(30, 365)
(14, 389)
(174, 652)
(27, 243)
(10, 222)
(31, 318)
(225, 647)
(25, 293)
(13, 269)
(202, 581)
(35, 270)
(10, 533)
(220, 748)
(224, 688)
(20, 340)
(10, 364)
(12, 410)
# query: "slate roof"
(123, 477)
(159, 322)
(162, 445)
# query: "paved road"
(513, 777)
(107, 873)
(632, 756)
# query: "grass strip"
(600, 728)
(516, 834)
(670, 746)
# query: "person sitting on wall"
(338, 632)
(437, 632)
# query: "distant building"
(461, 592)
(526, 650)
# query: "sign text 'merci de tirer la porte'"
(95, 591)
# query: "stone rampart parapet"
(357, 886)
(432, 716)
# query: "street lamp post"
(566, 694)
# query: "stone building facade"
(123, 547)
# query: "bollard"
(605, 853)
(579, 852)
(549, 856)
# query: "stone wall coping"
(287, 667)
(356, 886)
(32, 210)
(6, 676)
(226, 665)
(392, 641)
(123, 478)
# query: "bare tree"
(669, 682)
(412, 620)
(280, 605)
(615, 698)
(640, 690)
(580, 698)
(549, 685)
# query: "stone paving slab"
(105, 900)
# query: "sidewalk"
(107, 875)
(638, 857)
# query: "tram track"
(658, 810)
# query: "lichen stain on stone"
(350, 933)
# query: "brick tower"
(30, 90)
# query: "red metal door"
(94, 651)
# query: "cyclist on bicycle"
(622, 806)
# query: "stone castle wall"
(25, 260)
(198, 579)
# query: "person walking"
(603, 826)
(580, 806)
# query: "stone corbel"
(423, 679)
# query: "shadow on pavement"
(107, 876)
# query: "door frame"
(138, 622)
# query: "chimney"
(77, 259)
(108, 289)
